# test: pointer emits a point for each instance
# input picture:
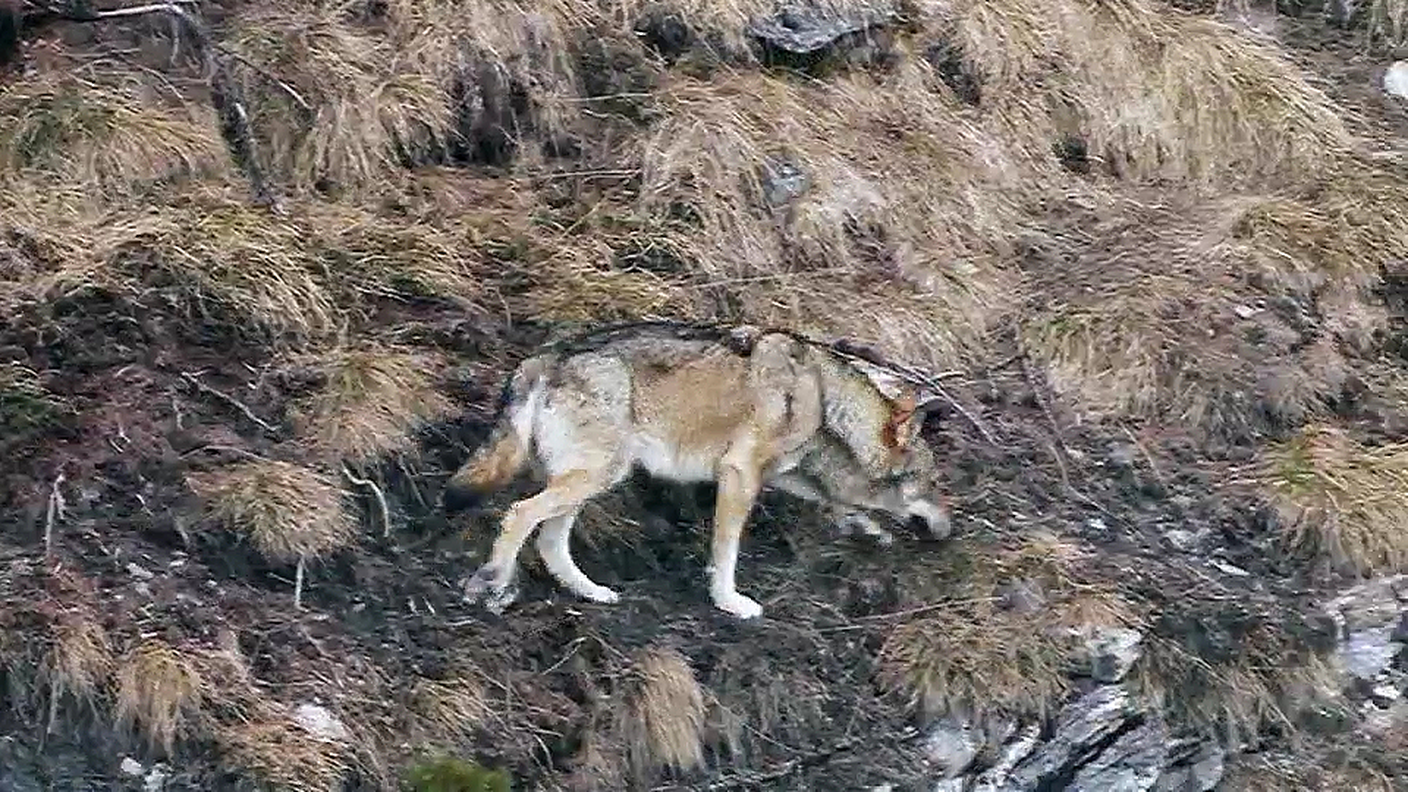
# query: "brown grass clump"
(81, 660)
(450, 709)
(1317, 766)
(841, 215)
(159, 689)
(1153, 92)
(373, 399)
(289, 511)
(658, 723)
(365, 98)
(280, 753)
(102, 126)
(215, 247)
(1213, 316)
(666, 721)
(982, 655)
(1340, 498)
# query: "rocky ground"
(1173, 442)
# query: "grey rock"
(1370, 604)
(1396, 80)
(1080, 725)
(1132, 763)
(953, 745)
(320, 723)
(1022, 596)
(1368, 653)
(131, 767)
(1400, 633)
(1181, 539)
(1109, 653)
(805, 27)
(782, 182)
(995, 778)
(1200, 773)
(951, 785)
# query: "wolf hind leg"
(564, 495)
(554, 548)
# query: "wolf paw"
(485, 584)
(738, 605)
(599, 594)
(858, 523)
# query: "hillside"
(264, 266)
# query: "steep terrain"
(263, 267)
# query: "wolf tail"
(510, 442)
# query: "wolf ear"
(903, 410)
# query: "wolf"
(744, 407)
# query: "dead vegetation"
(159, 692)
(1167, 214)
(1338, 498)
(996, 643)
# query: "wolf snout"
(931, 518)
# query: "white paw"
(738, 605)
(600, 594)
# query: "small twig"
(230, 400)
(53, 513)
(298, 583)
(262, 72)
(380, 498)
(973, 419)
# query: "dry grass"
(665, 724)
(216, 248)
(1216, 316)
(1265, 683)
(280, 753)
(1153, 93)
(973, 654)
(916, 222)
(450, 709)
(1321, 766)
(81, 660)
(658, 722)
(290, 512)
(159, 690)
(103, 126)
(1340, 498)
(373, 401)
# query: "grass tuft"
(1340, 498)
(280, 753)
(977, 655)
(100, 126)
(81, 661)
(373, 400)
(159, 690)
(210, 245)
(288, 511)
(1229, 317)
(665, 726)
(1153, 93)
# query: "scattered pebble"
(131, 766)
(139, 572)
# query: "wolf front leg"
(738, 483)
(563, 497)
